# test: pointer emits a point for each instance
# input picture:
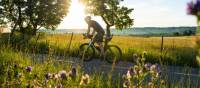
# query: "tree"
(28, 16)
(111, 12)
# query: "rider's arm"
(93, 31)
(88, 30)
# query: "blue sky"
(147, 13)
(160, 12)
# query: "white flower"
(85, 79)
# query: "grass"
(14, 73)
(177, 50)
(15, 58)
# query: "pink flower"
(29, 69)
(55, 76)
(147, 66)
(155, 68)
(130, 73)
(190, 7)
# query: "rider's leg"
(101, 47)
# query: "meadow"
(176, 50)
(18, 69)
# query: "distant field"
(177, 50)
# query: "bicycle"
(88, 51)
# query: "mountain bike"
(88, 51)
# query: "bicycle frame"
(91, 43)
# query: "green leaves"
(28, 16)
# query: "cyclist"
(98, 38)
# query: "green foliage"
(28, 16)
(111, 12)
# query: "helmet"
(88, 18)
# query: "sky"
(146, 13)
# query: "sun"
(75, 17)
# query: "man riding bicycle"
(96, 29)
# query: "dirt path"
(173, 74)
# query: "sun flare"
(74, 18)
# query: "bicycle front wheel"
(113, 53)
(86, 52)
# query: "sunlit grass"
(177, 50)
(52, 45)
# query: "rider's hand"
(90, 36)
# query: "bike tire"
(113, 52)
(86, 53)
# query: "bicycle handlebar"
(86, 36)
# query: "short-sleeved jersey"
(96, 26)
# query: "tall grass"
(177, 50)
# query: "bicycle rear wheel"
(86, 52)
(113, 53)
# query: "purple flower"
(193, 8)
(63, 74)
(29, 69)
(48, 76)
(190, 7)
(73, 72)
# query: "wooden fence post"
(70, 42)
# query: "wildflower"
(46, 81)
(28, 68)
(193, 8)
(59, 85)
(63, 74)
(126, 81)
(136, 70)
(48, 76)
(135, 57)
(147, 66)
(85, 79)
(150, 84)
(130, 73)
(20, 75)
(72, 73)
(36, 84)
(124, 77)
(55, 76)
(162, 82)
(141, 71)
(190, 7)
(126, 84)
(155, 68)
